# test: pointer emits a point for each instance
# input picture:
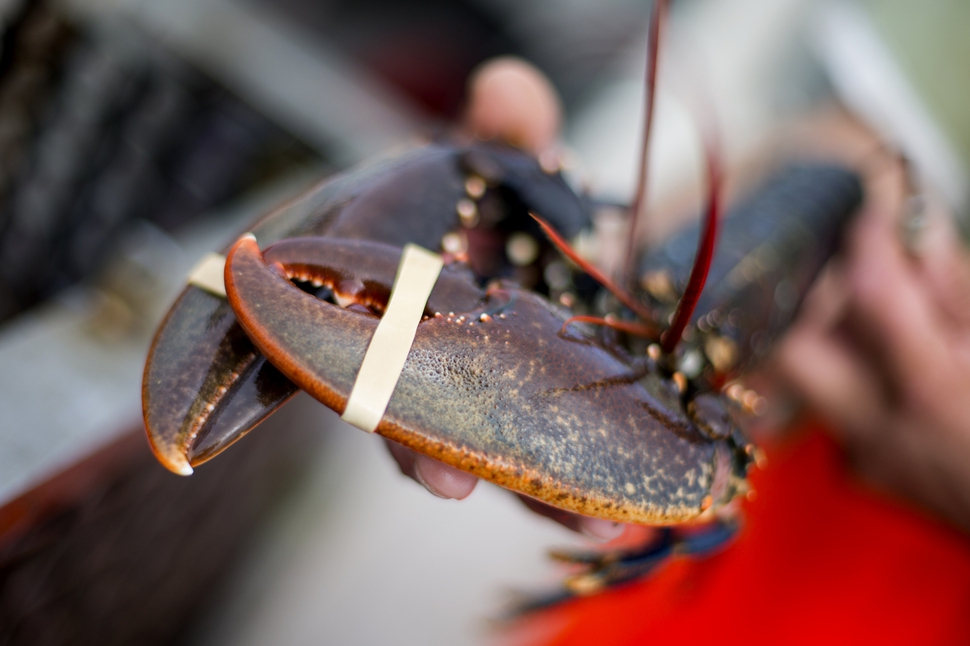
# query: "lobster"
(495, 386)
(567, 405)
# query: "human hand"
(882, 352)
(508, 99)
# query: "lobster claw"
(205, 385)
(491, 384)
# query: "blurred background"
(135, 135)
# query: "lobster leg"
(490, 385)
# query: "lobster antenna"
(636, 329)
(621, 294)
(705, 249)
(639, 199)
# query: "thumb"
(511, 100)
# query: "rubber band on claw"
(391, 343)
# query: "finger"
(825, 302)
(437, 477)
(512, 100)
(944, 268)
(834, 380)
(889, 303)
(403, 456)
(443, 480)
(595, 528)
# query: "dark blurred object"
(427, 48)
(97, 541)
(101, 131)
(116, 550)
(99, 127)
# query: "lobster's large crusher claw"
(205, 384)
(491, 384)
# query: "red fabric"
(821, 560)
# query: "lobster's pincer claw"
(205, 384)
(197, 402)
(490, 385)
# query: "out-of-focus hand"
(510, 100)
(882, 352)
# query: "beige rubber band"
(391, 343)
(210, 274)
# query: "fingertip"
(889, 302)
(600, 529)
(876, 261)
(443, 480)
(511, 100)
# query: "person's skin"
(882, 352)
(509, 100)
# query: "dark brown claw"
(490, 385)
(205, 384)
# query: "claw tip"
(177, 464)
(173, 460)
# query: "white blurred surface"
(366, 556)
(720, 61)
(870, 81)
